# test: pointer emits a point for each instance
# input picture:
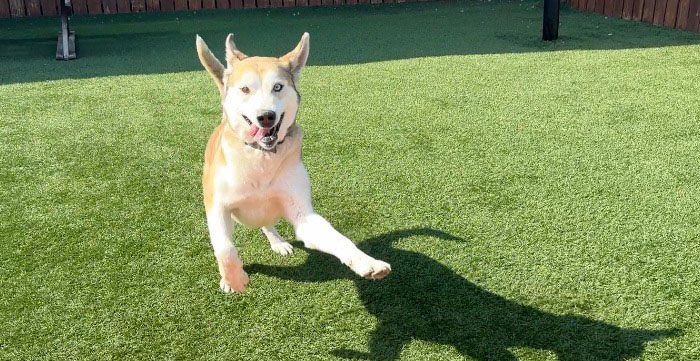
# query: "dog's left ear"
(297, 57)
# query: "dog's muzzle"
(268, 139)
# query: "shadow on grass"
(147, 43)
(423, 299)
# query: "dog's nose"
(266, 118)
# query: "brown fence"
(679, 14)
(19, 8)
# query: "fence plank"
(263, 3)
(682, 16)
(694, 16)
(637, 10)
(590, 5)
(599, 6)
(109, 6)
(79, 7)
(167, 5)
(573, 4)
(4, 9)
(248, 4)
(236, 4)
(138, 5)
(582, 4)
(671, 11)
(194, 4)
(49, 7)
(617, 8)
(208, 4)
(289, 3)
(608, 8)
(222, 4)
(180, 4)
(33, 7)
(351, 2)
(153, 5)
(123, 6)
(314, 2)
(627, 9)
(276, 3)
(389, 1)
(648, 13)
(94, 7)
(326, 2)
(17, 8)
(659, 12)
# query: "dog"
(253, 172)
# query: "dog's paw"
(370, 268)
(233, 277)
(283, 248)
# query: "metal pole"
(550, 26)
(64, 30)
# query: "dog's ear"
(211, 63)
(296, 59)
(232, 53)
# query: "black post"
(550, 27)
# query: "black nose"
(266, 118)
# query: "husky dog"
(253, 172)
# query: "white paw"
(283, 248)
(235, 286)
(233, 277)
(369, 267)
(224, 287)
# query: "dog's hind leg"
(277, 243)
(220, 224)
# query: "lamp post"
(550, 24)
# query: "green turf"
(536, 200)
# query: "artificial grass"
(535, 200)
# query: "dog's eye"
(277, 87)
(245, 90)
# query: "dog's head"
(258, 94)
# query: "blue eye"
(277, 87)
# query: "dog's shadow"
(423, 299)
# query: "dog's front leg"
(318, 234)
(233, 277)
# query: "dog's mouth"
(267, 137)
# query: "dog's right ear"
(211, 63)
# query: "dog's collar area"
(258, 147)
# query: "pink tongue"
(257, 133)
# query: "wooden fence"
(20, 8)
(679, 14)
